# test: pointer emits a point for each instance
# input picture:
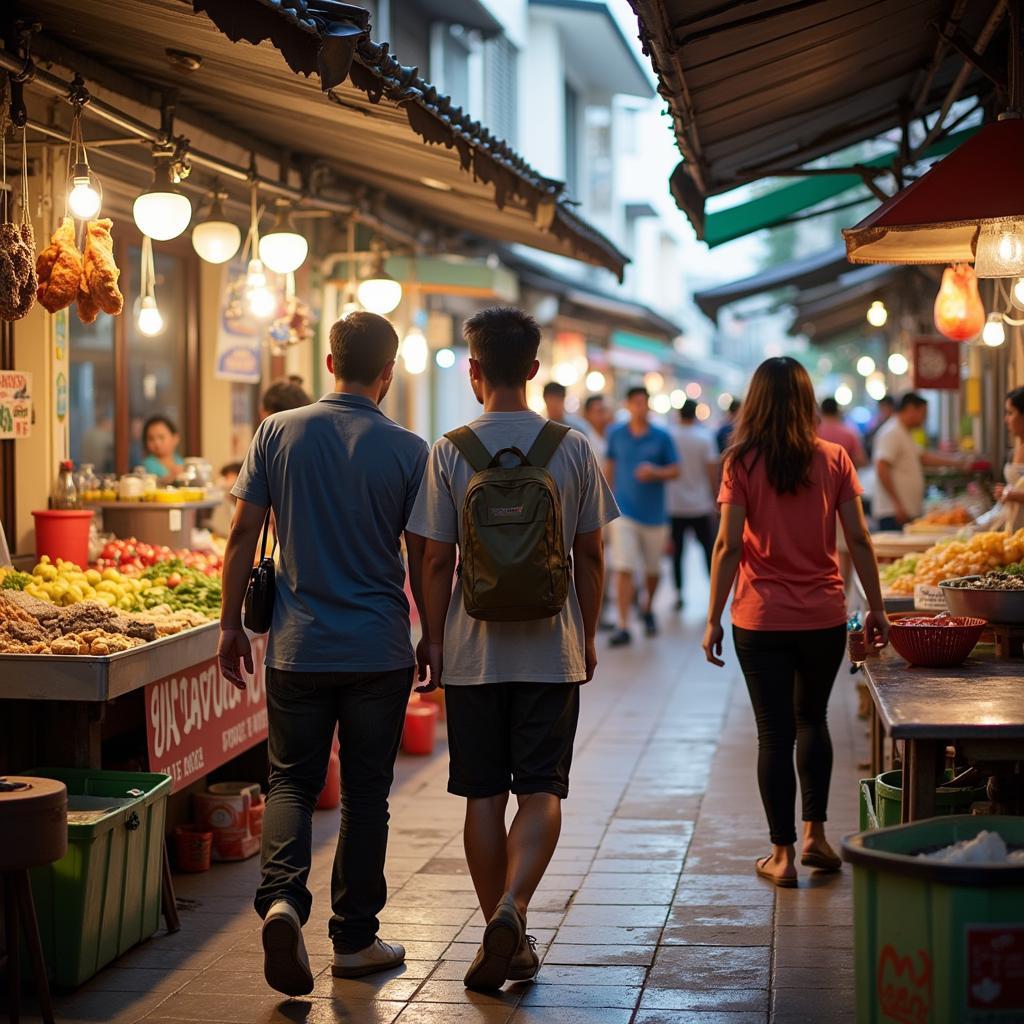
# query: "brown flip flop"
(782, 883)
(821, 862)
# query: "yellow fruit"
(107, 587)
(75, 591)
(107, 598)
(111, 574)
(93, 577)
(45, 560)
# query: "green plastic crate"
(937, 943)
(948, 799)
(103, 896)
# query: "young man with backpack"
(524, 502)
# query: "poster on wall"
(196, 720)
(15, 405)
(937, 364)
(239, 335)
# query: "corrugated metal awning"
(382, 128)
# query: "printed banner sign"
(937, 365)
(239, 335)
(196, 720)
(995, 968)
(15, 405)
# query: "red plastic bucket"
(63, 534)
(420, 727)
(192, 848)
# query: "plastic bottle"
(65, 493)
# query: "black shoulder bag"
(259, 598)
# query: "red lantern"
(959, 314)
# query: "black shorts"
(511, 737)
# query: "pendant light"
(959, 313)
(85, 193)
(259, 296)
(148, 317)
(283, 249)
(379, 293)
(215, 238)
(162, 212)
(993, 333)
(969, 207)
(877, 314)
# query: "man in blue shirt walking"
(641, 458)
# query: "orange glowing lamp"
(959, 314)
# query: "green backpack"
(513, 563)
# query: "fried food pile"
(66, 275)
(31, 626)
(18, 281)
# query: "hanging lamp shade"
(973, 195)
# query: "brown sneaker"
(502, 939)
(525, 964)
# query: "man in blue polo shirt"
(641, 458)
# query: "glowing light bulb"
(703, 411)
(595, 381)
(565, 374)
(282, 248)
(216, 239)
(865, 366)
(379, 294)
(84, 197)
(162, 215)
(875, 386)
(260, 298)
(724, 400)
(661, 404)
(150, 321)
(415, 351)
(694, 390)
(1000, 249)
(1018, 293)
(959, 314)
(994, 332)
(445, 358)
(843, 395)
(877, 313)
(898, 364)
(678, 398)
(654, 382)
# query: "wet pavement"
(650, 914)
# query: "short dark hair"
(887, 400)
(283, 395)
(591, 401)
(829, 407)
(231, 467)
(688, 410)
(362, 344)
(504, 341)
(638, 389)
(735, 405)
(154, 420)
(553, 388)
(1016, 399)
(912, 400)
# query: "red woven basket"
(944, 646)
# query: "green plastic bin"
(103, 896)
(937, 943)
(948, 799)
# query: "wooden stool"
(36, 812)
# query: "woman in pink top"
(781, 492)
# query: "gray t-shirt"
(342, 479)
(544, 650)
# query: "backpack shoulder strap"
(471, 448)
(550, 437)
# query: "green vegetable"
(15, 581)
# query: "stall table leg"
(922, 763)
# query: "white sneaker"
(285, 963)
(378, 956)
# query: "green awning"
(639, 342)
(775, 207)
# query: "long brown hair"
(778, 422)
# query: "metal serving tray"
(77, 678)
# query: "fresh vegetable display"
(182, 588)
(1009, 578)
(901, 567)
(131, 557)
(972, 557)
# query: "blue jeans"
(303, 709)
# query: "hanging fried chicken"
(99, 271)
(59, 268)
(17, 270)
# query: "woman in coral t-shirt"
(781, 492)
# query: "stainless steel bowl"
(1001, 606)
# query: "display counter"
(156, 522)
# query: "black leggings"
(703, 529)
(789, 676)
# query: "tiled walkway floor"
(651, 913)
